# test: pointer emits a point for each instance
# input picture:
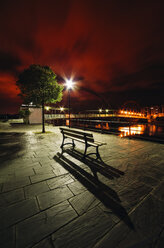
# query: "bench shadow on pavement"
(91, 182)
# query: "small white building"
(35, 116)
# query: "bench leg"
(97, 153)
(73, 144)
(62, 143)
(84, 155)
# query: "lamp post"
(69, 84)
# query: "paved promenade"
(53, 201)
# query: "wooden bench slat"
(75, 131)
(73, 136)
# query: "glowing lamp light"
(61, 108)
(100, 110)
(47, 108)
(69, 84)
(107, 110)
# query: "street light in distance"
(61, 109)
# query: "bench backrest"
(77, 134)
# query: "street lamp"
(106, 110)
(61, 109)
(69, 84)
(100, 111)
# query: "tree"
(38, 84)
(25, 113)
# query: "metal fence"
(121, 128)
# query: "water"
(149, 130)
(123, 129)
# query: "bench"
(83, 137)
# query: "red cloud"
(112, 45)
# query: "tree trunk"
(43, 124)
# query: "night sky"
(114, 49)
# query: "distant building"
(157, 110)
(35, 116)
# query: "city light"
(61, 109)
(47, 108)
(131, 114)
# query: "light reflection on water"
(149, 130)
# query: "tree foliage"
(38, 84)
(23, 113)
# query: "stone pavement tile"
(43, 224)
(109, 212)
(20, 162)
(23, 164)
(160, 240)
(24, 172)
(7, 170)
(42, 152)
(81, 205)
(134, 194)
(25, 154)
(1, 185)
(52, 153)
(120, 164)
(154, 154)
(42, 155)
(17, 212)
(48, 163)
(11, 197)
(41, 177)
(36, 189)
(159, 191)
(160, 164)
(84, 231)
(150, 181)
(156, 173)
(130, 178)
(59, 181)
(76, 187)
(147, 225)
(59, 170)
(53, 197)
(43, 170)
(111, 183)
(15, 183)
(42, 159)
(45, 243)
(7, 238)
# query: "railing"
(121, 128)
(86, 116)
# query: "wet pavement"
(52, 200)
